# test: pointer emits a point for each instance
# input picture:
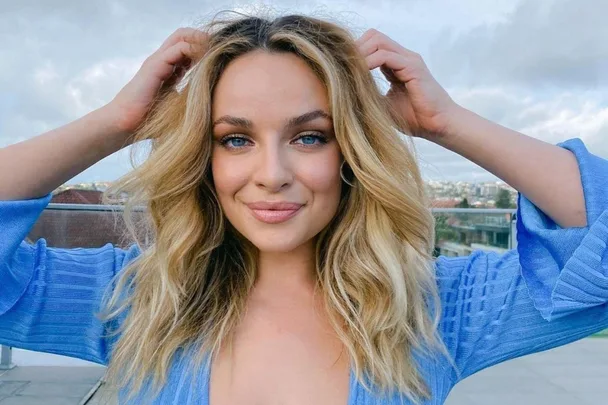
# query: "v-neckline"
(206, 389)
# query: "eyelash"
(317, 135)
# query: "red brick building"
(90, 226)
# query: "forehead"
(263, 85)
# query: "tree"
(503, 199)
(463, 204)
(443, 231)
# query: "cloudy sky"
(537, 66)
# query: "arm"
(546, 174)
(489, 316)
(49, 297)
(55, 157)
(37, 166)
(496, 307)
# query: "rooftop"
(572, 374)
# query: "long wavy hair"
(190, 284)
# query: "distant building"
(477, 232)
(445, 202)
(75, 196)
(80, 228)
(489, 190)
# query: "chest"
(288, 358)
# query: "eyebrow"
(293, 122)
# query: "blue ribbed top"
(550, 291)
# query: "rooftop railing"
(458, 231)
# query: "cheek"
(226, 177)
(322, 177)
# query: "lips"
(274, 212)
(275, 206)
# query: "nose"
(273, 170)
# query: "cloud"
(564, 115)
(537, 66)
(541, 69)
(60, 60)
(541, 43)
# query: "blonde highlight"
(190, 285)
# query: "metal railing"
(464, 213)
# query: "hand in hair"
(419, 105)
(546, 174)
(159, 72)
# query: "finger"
(381, 41)
(366, 35)
(402, 67)
(164, 65)
(381, 57)
(182, 53)
(389, 74)
(377, 42)
(184, 34)
(178, 74)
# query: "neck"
(282, 274)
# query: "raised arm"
(497, 307)
(37, 166)
(546, 174)
(552, 289)
(49, 296)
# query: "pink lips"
(274, 212)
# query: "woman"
(292, 236)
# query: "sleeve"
(550, 291)
(49, 296)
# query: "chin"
(276, 242)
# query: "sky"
(537, 66)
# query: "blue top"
(551, 291)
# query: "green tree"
(463, 204)
(503, 199)
(443, 231)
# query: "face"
(275, 161)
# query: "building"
(473, 231)
(72, 224)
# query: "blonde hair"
(374, 259)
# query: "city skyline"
(478, 194)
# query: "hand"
(418, 102)
(159, 72)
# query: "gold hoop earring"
(342, 175)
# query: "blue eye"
(310, 139)
(234, 142)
